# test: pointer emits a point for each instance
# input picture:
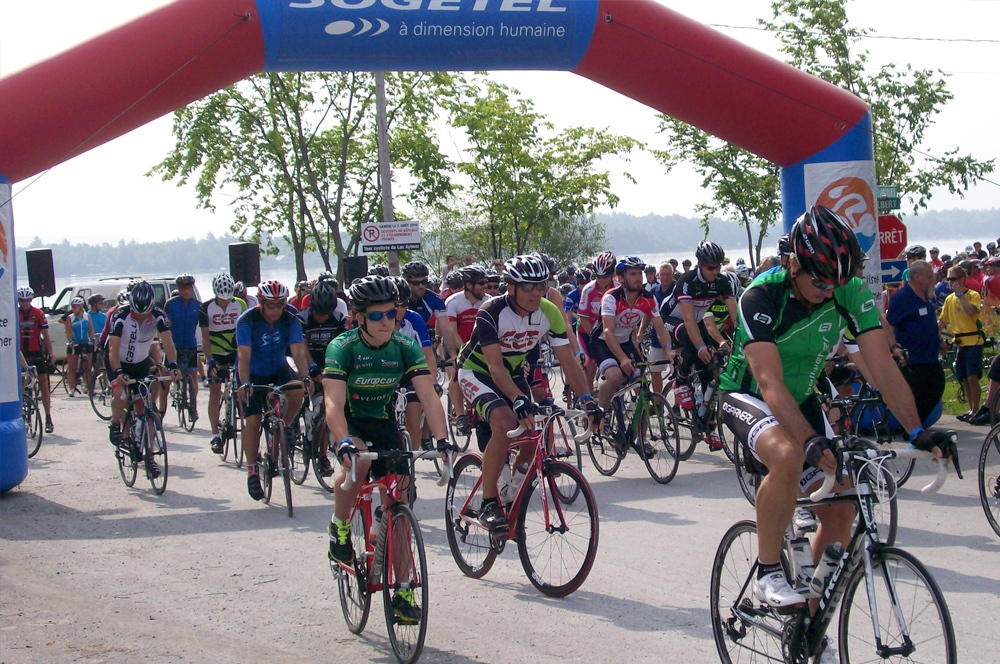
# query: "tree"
(530, 187)
(298, 154)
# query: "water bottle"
(804, 568)
(829, 561)
(699, 402)
(704, 400)
(383, 535)
(504, 486)
(518, 479)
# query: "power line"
(865, 36)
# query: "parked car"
(109, 288)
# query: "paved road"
(95, 572)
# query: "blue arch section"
(13, 442)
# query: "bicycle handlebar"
(907, 453)
(352, 477)
(580, 437)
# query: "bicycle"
(904, 614)
(641, 418)
(307, 446)
(142, 436)
(84, 368)
(989, 477)
(31, 413)
(402, 566)
(273, 458)
(708, 404)
(556, 538)
(99, 389)
(231, 418)
(181, 392)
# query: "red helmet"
(825, 246)
(272, 291)
(604, 263)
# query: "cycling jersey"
(373, 374)
(589, 306)
(136, 337)
(463, 313)
(267, 343)
(221, 324)
(429, 306)
(498, 323)
(31, 325)
(99, 318)
(319, 335)
(183, 317)
(413, 326)
(81, 327)
(804, 336)
(692, 287)
(627, 316)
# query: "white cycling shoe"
(804, 519)
(829, 655)
(774, 591)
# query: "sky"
(104, 195)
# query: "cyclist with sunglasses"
(492, 362)
(462, 308)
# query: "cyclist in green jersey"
(789, 320)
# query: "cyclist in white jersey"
(589, 309)
(462, 308)
(217, 320)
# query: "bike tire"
(468, 540)
(156, 449)
(658, 428)
(352, 583)
(897, 574)
(879, 423)
(186, 410)
(100, 394)
(559, 438)
(285, 466)
(743, 630)
(729, 441)
(687, 427)
(32, 416)
(557, 541)
(461, 441)
(266, 463)
(886, 508)
(406, 639)
(323, 432)
(747, 480)
(225, 432)
(237, 433)
(989, 478)
(299, 452)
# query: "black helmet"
(455, 279)
(916, 251)
(239, 289)
(549, 263)
(492, 276)
(709, 253)
(585, 273)
(372, 290)
(526, 269)
(784, 245)
(415, 270)
(379, 271)
(323, 298)
(403, 288)
(141, 298)
(473, 273)
(184, 280)
(630, 262)
(825, 246)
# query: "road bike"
(99, 389)
(398, 570)
(640, 418)
(182, 398)
(311, 443)
(272, 457)
(704, 419)
(231, 418)
(553, 517)
(889, 607)
(142, 438)
(31, 411)
(989, 477)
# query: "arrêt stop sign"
(892, 236)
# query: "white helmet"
(223, 286)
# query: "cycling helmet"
(492, 276)
(991, 246)
(325, 276)
(323, 298)
(77, 301)
(740, 261)
(629, 262)
(415, 270)
(473, 273)
(935, 250)
(565, 289)
(239, 289)
(272, 291)
(784, 245)
(744, 273)
(454, 280)
(141, 298)
(825, 247)
(549, 263)
(526, 269)
(709, 253)
(223, 286)
(174, 292)
(122, 298)
(372, 290)
(379, 271)
(184, 280)
(585, 273)
(433, 282)
(604, 264)
(95, 298)
(131, 284)
(403, 287)
(25, 293)
(916, 251)
(735, 282)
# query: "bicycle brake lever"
(952, 452)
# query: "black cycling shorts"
(482, 392)
(257, 403)
(38, 361)
(134, 370)
(379, 433)
(223, 365)
(79, 349)
(187, 357)
(605, 359)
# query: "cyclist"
(217, 319)
(789, 321)
(362, 371)
(684, 314)
(493, 283)
(132, 352)
(263, 334)
(36, 345)
(462, 308)
(183, 313)
(589, 309)
(241, 292)
(80, 338)
(623, 308)
(410, 324)
(491, 373)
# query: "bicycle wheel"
(559, 439)
(266, 463)
(885, 502)
(155, 450)
(725, 435)
(903, 590)
(658, 428)
(299, 453)
(284, 466)
(744, 630)
(352, 584)
(460, 439)
(236, 424)
(748, 481)
(687, 427)
(411, 486)
(323, 434)
(185, 410)
(468, 540)
(100, 394)
(405, 569)
(604, 451)
(989, 478)
(557, 541)
(872, 422)
(32, 417)
(225, 430)
(995, 412)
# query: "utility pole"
(385, 175)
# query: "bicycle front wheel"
(404, 586)
(658, 439)
(468, 540)
(460, 439)
(324, 477)
(687, 427)
(285, 465)
(100, 394)
(266, 462)
(903, 590)
(748, 481)
(299, 453)
(561, 445)
(33, 423)
(556, 540)
(155, 449)
(352, 582)
(604, 452)
(989, 478)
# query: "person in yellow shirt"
(960, 313)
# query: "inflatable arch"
(819, 134)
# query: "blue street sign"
(892, 271)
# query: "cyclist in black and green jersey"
(363, 369)
(789, 320)
(491, 374)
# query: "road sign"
(892, 236)
(892, 271)
(888, 204)
(888, 191)
(392, 236)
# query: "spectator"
(974, 279)
(498, 266)
(935, 262)
(769, 263)
(961, 313)
(450, 264)
(982, 416)
(991, 282)
(912, 317)
(665, 283)
(468, 259)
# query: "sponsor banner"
(425, 35)
(391, 236)
(10, 389)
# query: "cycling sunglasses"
(422, 282)
(528, 287)
(482, 282)
(376, 316)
